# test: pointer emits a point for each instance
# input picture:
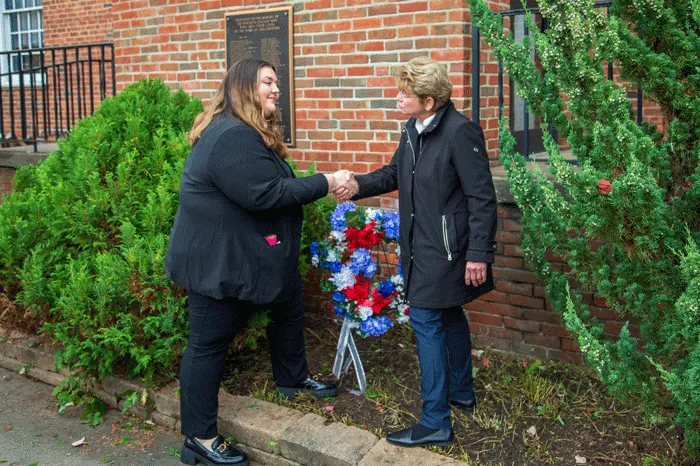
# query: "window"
(22, 28)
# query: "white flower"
(397, 280)
(343, 279)
(402, 317)
(338, 235)
(398, 250)
(332, 256)
(314, 260)
(364, 312)
(372, 214)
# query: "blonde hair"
(237, 96)
(425, 77)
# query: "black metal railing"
(45, 91)
(525, 140)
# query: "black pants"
(213, 325)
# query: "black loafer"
(312, 387)
(409, 438)
(223, 453)
(466, 406)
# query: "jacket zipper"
(446, 241)
(411, 144)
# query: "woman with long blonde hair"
(234, 247)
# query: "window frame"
(6, 34)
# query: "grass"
(530, 411)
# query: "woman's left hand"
(475, 273)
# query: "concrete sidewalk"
(270, 434)
(32, 432)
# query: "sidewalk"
(270, 434)
(32, 432)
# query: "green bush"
(84, 233)
(627, 219)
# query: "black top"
(237, 197)
(447, 207)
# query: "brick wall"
(346, 116)
(75, 22)
(345, 51)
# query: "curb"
(270, 434)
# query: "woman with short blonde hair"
(424, 78)
(447, 211)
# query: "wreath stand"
(346, 343)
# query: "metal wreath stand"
(346, 343)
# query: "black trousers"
(213, 325)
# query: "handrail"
(49, 89)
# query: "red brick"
(567, 344)
(486, 319)
(554, 330)
(543, 340)
(542, 316)
(524, 325)
(514, 275)
(524, 289)
(406, 7)
(503, 309)
(495, 296)
(509, 262)
(526, 301)
(510, 250)
(505, 334)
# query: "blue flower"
(386, 288)
(338, 296)
(315, 248)
(375, 327)
(339, 310)
(391, 225)
(332, 266)
(362, 263)
(399, 269)
(338, 215)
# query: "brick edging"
(268, 433)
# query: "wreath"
(361, 294)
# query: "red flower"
(359, 292)
(605, 186)
(367, 237)
(380, 302)
(688, 184)
(351, 236)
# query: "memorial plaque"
(267, 35)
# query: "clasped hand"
(342, 185)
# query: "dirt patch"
(530, 412)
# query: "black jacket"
(447, 207)
(235, 192)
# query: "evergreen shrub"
(627, 219)
(84, 233)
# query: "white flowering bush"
(627, 220)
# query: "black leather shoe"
(411, 438)
(223, 453)
(312, 387)
(466, 406)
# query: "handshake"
(342, 184)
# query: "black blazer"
(447, 207)
(234, 193)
